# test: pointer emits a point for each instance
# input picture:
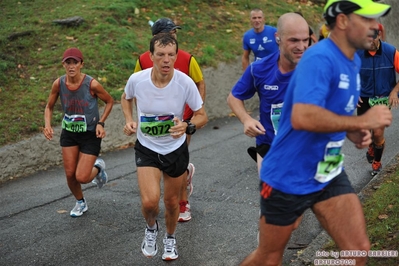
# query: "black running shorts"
(284, 209)
(173, 164)
(87, 141)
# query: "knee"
(82, 179)
(149, 204)
(171, 202)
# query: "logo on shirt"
(266, 39)
(252, 41)
(270, 87)
(260, 48)
(344, 82)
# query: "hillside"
(111, 37)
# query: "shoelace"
(169, 244)
(150, 237)
(81, 206)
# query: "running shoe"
(79, 209)
(149, 245)
(377, 166)
(185, 212)
(169, 249)
(370, 153)
(101, 178)
(190, 187)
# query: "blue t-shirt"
(327, 78)
(264, 77)
(261, 44)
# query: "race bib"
(275, 114)
(156, 125)
(74, 123)
(332, 164)
(379, 101)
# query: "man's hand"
(178, 129)
(130, 128)
(378, 116)
(253, 128)
(361, 138)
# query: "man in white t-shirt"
(160, 94)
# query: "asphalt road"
(36, 229)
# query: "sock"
(378, 150)
(170, 236)
(154, 227)
(98, 168)
(81, 200)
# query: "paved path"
(35, 227)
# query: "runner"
(82, 126)
(186, 63)
(260, 39)
(269, 78)
(380, 64)
(160, 94)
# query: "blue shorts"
(87, 141)
(283, 209)
(173, 164)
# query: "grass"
(113, 35)
(381, 209)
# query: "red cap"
(74, 53)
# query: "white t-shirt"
(157, 104)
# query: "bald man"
(269, 77)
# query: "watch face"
(191, 129)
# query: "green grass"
(111, 38)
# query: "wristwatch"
(101, 123)
(190, 127)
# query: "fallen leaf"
(62, 211)
(382, 216)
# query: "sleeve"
(129, 88)
(313, 90)
(194, 99)
(194, 71)
(245, 45)
(138, 66)
(245, 89)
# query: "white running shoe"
(149, 244)
(190, 187)
(169, 250)
(79, 209)
(101, 178)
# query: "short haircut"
(163, 39)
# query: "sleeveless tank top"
(80, 102)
